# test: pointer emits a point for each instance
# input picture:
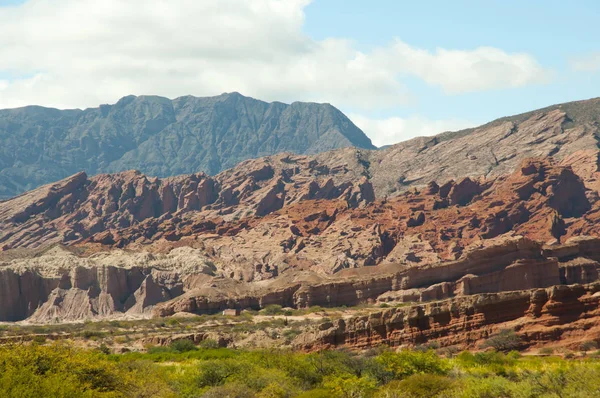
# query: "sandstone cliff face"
(59, 285)
(562, 315)
(513, 264)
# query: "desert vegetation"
(185, 370)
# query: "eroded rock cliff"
(328, 230)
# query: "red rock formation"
(562, 315)
(298, 232)
(99, 208)
(515, 264)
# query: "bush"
(406, 363)
(229, 390)
(484, 387)
(209, 344)
(181, 370)
(104, 349)
(272, 309)
(468, 359)
(92, 334)
(39, 339)
(416, 386)
(588, 346)
(316, 393)
(505, 341)
(60, 371)
(216, 372)
(183, 345)
(347, 386)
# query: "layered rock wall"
(538, 315)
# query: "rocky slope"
(494, 149)
(285, 232)
(125, 207)
(161, 137)
(468, 248)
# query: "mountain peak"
(162, 137)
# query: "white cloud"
(458, 71)
(393, 130)
(77, 53)
(589, 63)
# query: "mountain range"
(162, 137)
(470, 232)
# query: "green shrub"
(588, 346)
(406, 363)
(39, 339)
(272, 309)
(487, 363)
(92, 334)
(59, 371)
(229, 390)
(316, 393)
(208, 344)
(104, 349)
(290, 334)
(184, 345)
(181, 370)
(504, 341)
(350, 386)
(484, 387)
(417, 386)
(216, 372)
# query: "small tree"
(350, 386)
(588, 346)
(406, 363)
(506, 340)
(272, 309)
(416, 386)
(104, 349)
(182, 345)
(209, 344)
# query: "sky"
(398, 69)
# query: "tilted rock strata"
(321, 241)
(100, 207)
(561, 315)
(514, 264)
(312, 222)
(60, 285)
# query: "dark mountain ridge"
(162, 137)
